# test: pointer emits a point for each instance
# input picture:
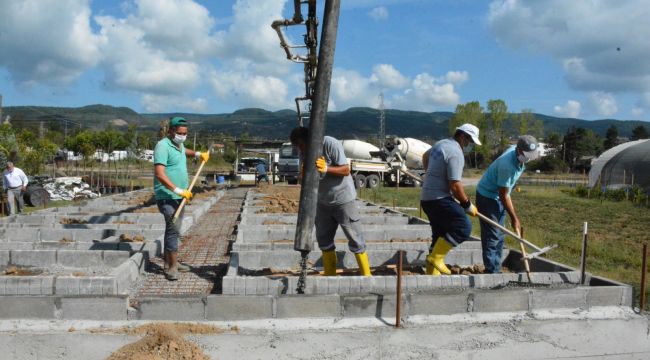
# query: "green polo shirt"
(173, 158)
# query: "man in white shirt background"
(14, 182)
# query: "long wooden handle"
(523, 254)
(180, 207)
(507, 231)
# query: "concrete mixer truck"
(398, 161)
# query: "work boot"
(437, 257)
(182, 267)
(329, 263)
(364, 266)
(171, 274)
(430, 269)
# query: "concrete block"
(228, 285)
(4, 258)
(391, 284)
(23, 285)
(114, 258)
(11, 286)
(251, 285)
(109, 286)
(36, 258)
(47, 285)
(410, 283)
(627, 296)
(306, 306)
(103, 308)
(172, 308)
(559, 298)
(500, 300)
(344, 284)
(437, 304)
(262, 286)
(35, 286)
(3, 281)
(604, 295)
(66, 285)
(379, 284)
(355, 284)
(22, 235)
(79, 258)
(368, 305)
(90, 286)
(332, 284)
(221, 307)
(27, 307)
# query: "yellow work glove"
(321, 165)
(204, 156)
(470, 209)
(184, 193)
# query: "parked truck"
(398, 161)
(288, 163)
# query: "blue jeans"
(167, 208)
(447, 220)
(491, 237)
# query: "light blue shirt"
(446, 162)
(502, 173)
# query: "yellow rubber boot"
(329, 263)
(431, 270)
(364, 265)
(437, 256)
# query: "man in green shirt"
(170, 187)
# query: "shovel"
(538, 251)
(180, 208)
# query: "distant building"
(218, 148)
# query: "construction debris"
(69, 188)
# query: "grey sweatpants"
(16, 194)
(328, 219)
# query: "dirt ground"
(390, 270)
(163, 341)
(280, 199)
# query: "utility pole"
(309, 189)
(382, 120)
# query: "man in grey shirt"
(449, 225)
(336, 195)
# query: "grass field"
(549, 215)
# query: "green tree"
(639, 132)
(469, 113)
(538, 129)
(611, 138)
(524, 119)
(580, 143)
(498, 112)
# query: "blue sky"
(585, 59)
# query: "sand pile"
(163, 341)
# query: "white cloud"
(385, 75)
(603, 103)
(637, 111)
(160, 103)
(571, 109)
(378, 13)
(456, 77)
(37, 49)
(427, 93)
(602, 44)
(250, 90)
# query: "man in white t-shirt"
(14, 182)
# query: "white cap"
(470, 130)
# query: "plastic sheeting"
(623, 165)
(69, 188)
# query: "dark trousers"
(447, 220)
(491, 237)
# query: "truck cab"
(289, 163)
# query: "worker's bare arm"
(425, 159)
(342, 170)
(458, 191)
(506, 200)
(159, 173)
(190, 152)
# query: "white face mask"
(179, 139)
(526, 157)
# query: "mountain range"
(359, 122)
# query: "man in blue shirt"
(449, 225)
(493, 197)
(260, 168)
